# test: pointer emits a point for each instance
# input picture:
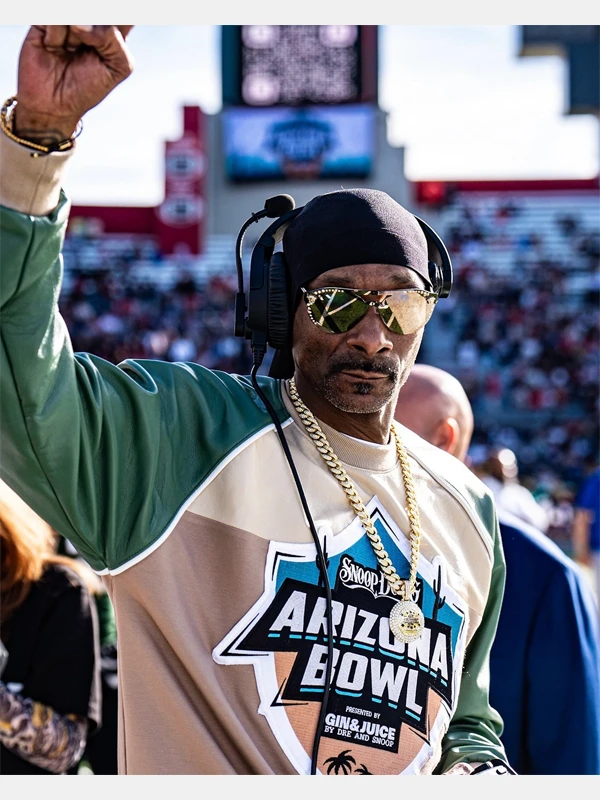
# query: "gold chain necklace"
(406, 618)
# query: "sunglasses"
(337, 310)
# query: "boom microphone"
(279, 205)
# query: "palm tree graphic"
(362, 770)
(340, 763)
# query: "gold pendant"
(406, 621)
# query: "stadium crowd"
(525, 339)
(112, 312)
(526, 344)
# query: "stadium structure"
(300, 115)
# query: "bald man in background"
(435, 406)
(446, 420)
(545, 661)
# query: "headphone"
(265, 316)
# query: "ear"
(446, 435)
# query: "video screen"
(299, 143)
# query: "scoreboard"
(294, 65)
(299, 101)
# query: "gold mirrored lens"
(403, 311)
(335, 310)
(407, 311)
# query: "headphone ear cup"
(440, 275)
(279, 328)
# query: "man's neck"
(374, 427)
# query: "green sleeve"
(475, 729)
(106, 454)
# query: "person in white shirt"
(500, 473)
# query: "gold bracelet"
(6, 127)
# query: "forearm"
(475, 728)
(38, 734)
(474, 733)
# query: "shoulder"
(63, 596)
(452, 475)
(529, 541)
(213, 385)
(539, 570)
(528, 550)
(59, 578)
(59, 590)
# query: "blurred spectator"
(526, 330)
(50, 695)
(100, 755)
(117, 305)
(499, 471)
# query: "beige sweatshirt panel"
(447, 529)
(181, 712)
(173, 609)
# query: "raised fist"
(64, 70)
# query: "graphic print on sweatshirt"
(389, 702)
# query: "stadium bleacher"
(520, 329)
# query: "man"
(545, 659)
(171, 482)
(435, 406)
(500, 473)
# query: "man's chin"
(363, 398)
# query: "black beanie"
(344, 228)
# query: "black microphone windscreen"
(279, 204)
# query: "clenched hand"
(64, 70)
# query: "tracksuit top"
(170, 480)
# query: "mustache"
(379, 365)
